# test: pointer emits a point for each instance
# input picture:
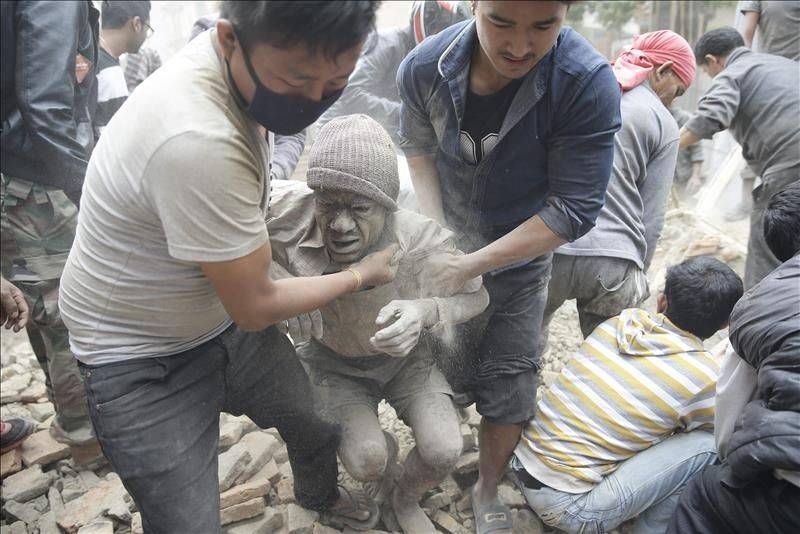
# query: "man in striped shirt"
(627, 422)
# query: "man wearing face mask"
(167, 291)
(508, 125)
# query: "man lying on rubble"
(756, 487)
(627, 423)
(605, 271)
(755, 96)
(373, 344)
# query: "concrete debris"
(245, 510)
(300, 520)
(98, 526)
(467, 463)
(10, 463)
(25, 512)
(257, 487)
(268, 523)
(230, 430)
(108, 498)
(26, 485)
(261, 447)
(285, 491)
(40, 448)
(526, 522)
(232, 464)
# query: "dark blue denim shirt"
(556, 142)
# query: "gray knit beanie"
(355, 154)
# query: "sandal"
(359, 501)
(495, 517)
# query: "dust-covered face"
(350, 224)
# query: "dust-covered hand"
(448, 273)
(404, 321)
(14, 310)
(380, 267)
(303, 327)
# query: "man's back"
(633, 382)
(757, 97)
(645, 151)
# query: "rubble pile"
(45, 492)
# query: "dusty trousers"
(157, 421)
(38, 227)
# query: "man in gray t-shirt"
(756, 97)
(605, 270)
(778, 24)
(167, 292)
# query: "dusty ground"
(684, 235)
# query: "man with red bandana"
(605, 270)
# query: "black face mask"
(282, 114)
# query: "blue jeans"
(646, 486)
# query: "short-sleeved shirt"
(179, 177)
(349, 321)
(778, 26)
(112, 90)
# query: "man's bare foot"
(410, 516)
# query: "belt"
(528, 480)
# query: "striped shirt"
(636, 380)
(112, 91)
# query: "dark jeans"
(157, 420)
(707, 506)
(494, 359)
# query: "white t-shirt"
(180, 176)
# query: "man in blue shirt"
(508, 125)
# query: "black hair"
(782, 222)
(718, 43)
(701, 293)
(116, 14)
(330, 27)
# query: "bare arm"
(749, 25)
(425, 178)
(255, 301)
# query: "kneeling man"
(374, 343)
(627, 422)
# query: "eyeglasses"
(149, 29)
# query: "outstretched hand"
(14, 311)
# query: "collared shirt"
(349, 321)
(756, 96)
(645, 150)
(555, 147)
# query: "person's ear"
(136, 24)
(661, 303)
(664, 68)
(710, 60)
(226, 37)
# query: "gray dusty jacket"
(765, 332)
(756, 96)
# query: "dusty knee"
(441, 452)
(365, 460)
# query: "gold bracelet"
(357, 276)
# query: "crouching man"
(626, 424)
(373, 344)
